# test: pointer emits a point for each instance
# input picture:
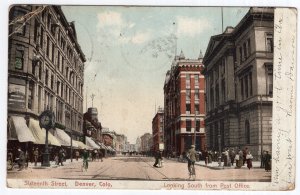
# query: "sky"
(129, 50)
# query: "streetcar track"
(167, 178)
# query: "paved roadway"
(138, 168)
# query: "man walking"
(35, 156)
(191, 157)
(21, 159)
(158, 156)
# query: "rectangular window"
(58, 60)
(19, 60)
(35, 35)
(246, 86)
(241, 55)
(62, 90)
(250, 83)
(57, 87)
(188, 108)
(269, 40)
(42, 38)
(197, 108)
(47, 77)
(217, 95)
(188, 125)
(249, 47)
(270, 81)
(53, 52)
(196, 80)
(197, 125)
(196, 94)
(188, 81)
(245, 51)
(242, 88)
(48, 46)
(188, 95)
(52, 81)
(223, 91)
(30, 96)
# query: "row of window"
(57, 34)
(188, 108)
(189, 125)
(188, 80)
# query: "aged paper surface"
(283, 144)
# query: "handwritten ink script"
(284, 98)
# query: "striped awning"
(91, 143)
(18, 130)
(40, 134)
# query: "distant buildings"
(45, 71)
(239, 84)
(157, 129)
(146, 143)
(184, 103)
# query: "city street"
(138, 168)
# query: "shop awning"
(40, 134)
(91, 143)
(64, 138)
(81, 145)
(18, 130)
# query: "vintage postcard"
(151, 97)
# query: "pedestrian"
(249, 158)
(21, 159)
(77, 155)
(239, 159)
(245, 152)
(26, 159)
(100, 155)
(225, 158)
(205, 156)
(232, 156)
(56, 159)
(61, 157)
(35, 156)
(262, 159)
(268, 161)
(210, 157)
(158, 156)
(85, 157)
(191, 157)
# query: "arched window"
(247, 132)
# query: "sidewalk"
(52, 164)
(215, 165)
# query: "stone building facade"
(184, 105)
(46, 67)
(239, 84)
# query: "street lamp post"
(46, 121)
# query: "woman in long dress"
(268, 161)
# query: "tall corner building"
(239, 84)
(45, 71)
(184, 105)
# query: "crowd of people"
(227, 158)
(18, 157)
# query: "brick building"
(45, 71)
(239, 84)
(157, 128)
(184, 103)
